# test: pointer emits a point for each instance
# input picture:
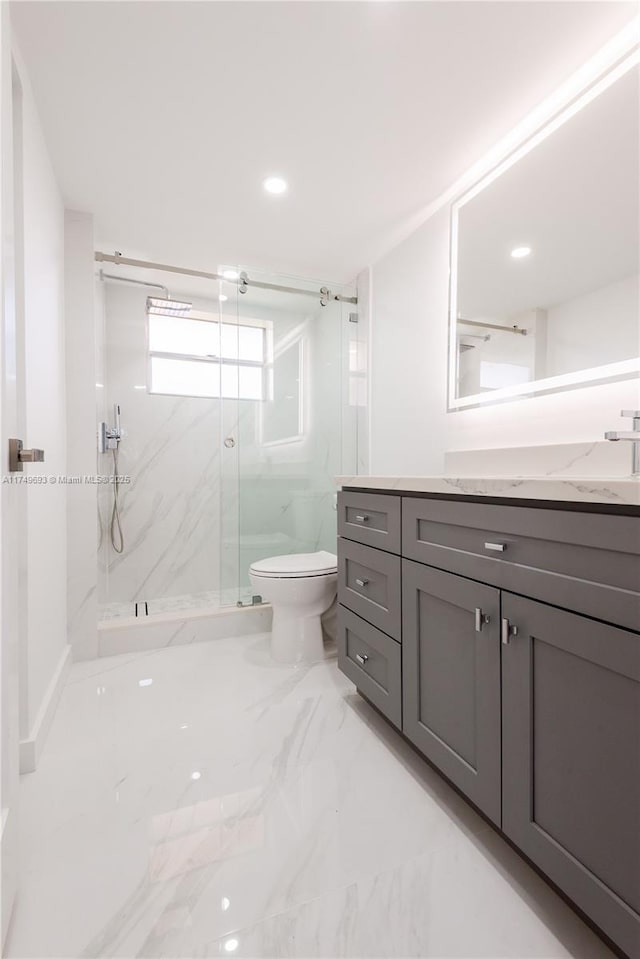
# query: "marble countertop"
(614, 491)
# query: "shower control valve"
(108, 438)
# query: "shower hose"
(117, 538)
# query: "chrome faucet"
(632, 435)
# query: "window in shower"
(203, 356)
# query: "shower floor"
(207, 599)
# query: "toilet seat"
(296, 565)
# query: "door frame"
(13, 586)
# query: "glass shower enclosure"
(240, 402)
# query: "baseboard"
(31, 748)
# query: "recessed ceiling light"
(145, 682)
(231, 274)
(223, 298)
(196, 775)
(275, 185)
(519, 252)
(137, 387)
(231, 945)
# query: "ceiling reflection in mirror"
(545, 259)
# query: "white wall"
(359, 391)
(409, 353)
(601, 327)
(45, 421)
(411, 430)
(81, 360)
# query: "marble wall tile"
(171, 452)
(156, 632)
(599, 459)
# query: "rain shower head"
(167, 307)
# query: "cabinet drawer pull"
(362, 659)
(362, 582)
(507, 631)
(482, 619)
(362, 519)
(496, 547)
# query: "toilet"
(300, 587)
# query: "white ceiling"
(162, 118)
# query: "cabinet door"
(571, 758)
(451, 678)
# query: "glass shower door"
(290, 424)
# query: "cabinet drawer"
(369, 584)
(370, 518)
(586, 562)
(372, 661)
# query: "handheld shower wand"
(109, 439)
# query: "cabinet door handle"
(482, 619)
(362, 519)
(362, 582)
(496, 547)
(362, 659)
(507, 631)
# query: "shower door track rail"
(243, 281)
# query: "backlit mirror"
(545, 257)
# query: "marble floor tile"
(204, 801)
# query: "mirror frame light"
(625, 369)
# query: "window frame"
(200, 316)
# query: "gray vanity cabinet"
(571, 758)
(451, 678)
(504, 641)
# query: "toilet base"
(298, 604)
(294, 638)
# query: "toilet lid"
(297, 564)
